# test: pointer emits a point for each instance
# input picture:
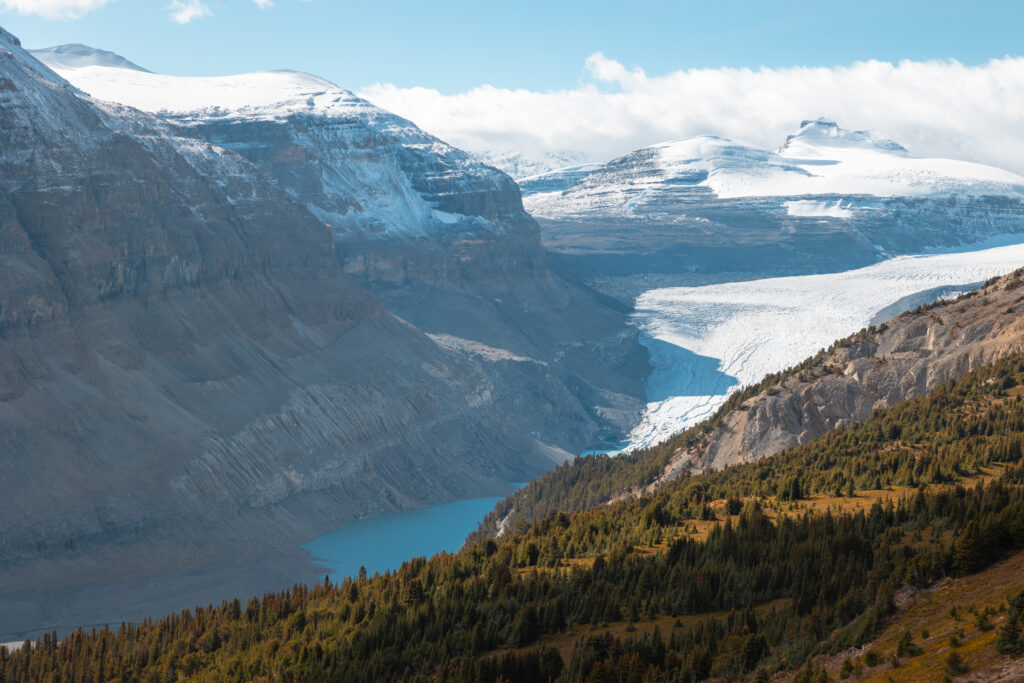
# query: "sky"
(596, 78)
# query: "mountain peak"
(815, 134)
(77, 56)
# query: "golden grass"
(862, 501)
(931, 610)
(565, 642)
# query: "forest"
(745, 572)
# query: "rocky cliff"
(442, 239)
(191, 386)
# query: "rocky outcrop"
(901, 359)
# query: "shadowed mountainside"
(191, 386)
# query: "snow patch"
(447, 218)
(489, 353)
(808, 208)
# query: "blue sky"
(587, 81)
(455, 45)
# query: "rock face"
(439, 237)
(829, 199)
(191, 386)
(901, 359)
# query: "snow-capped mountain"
(76, 56)
(827, 199)
(439, 236)
(820, 159)
(520, 165)
(365, 171)
(191, 384)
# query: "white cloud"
(53, 9)
(184, 11)
(934, 108)
(264, 4)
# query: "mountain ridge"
(192, 386)
(441, 238)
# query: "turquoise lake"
(386, 541)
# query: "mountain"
(521, 165)
(441, 238)
(192, 386)
(828, 199)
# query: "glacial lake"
(386, 541)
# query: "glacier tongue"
(758, 327)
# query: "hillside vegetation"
(750, 572)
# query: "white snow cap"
(76, 56)
(820, 158)
(825, 133)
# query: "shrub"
(955, 664)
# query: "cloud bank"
(53, 9)
(934, 108)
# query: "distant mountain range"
(827, 199)
(520, 165)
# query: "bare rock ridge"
(191, 385)
(906, 357)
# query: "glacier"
(757, 327)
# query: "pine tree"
(1009, 641)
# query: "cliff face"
(442, 239)
(189, 381)
(903, 358)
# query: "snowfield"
(741, 331)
